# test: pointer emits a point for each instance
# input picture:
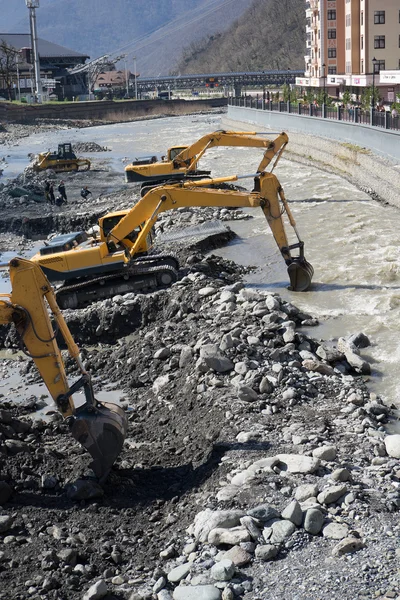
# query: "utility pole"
(18, 80)
(134, 68)
(126, 77)
(32, 5)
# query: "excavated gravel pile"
(256, 464)
(88, 147)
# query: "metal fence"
(374, 117)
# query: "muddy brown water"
(352, 241)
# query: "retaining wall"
(104, 110)
(381, 141)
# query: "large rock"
(196, 592)
(313, 521)
(281, 531)
(335, 531)
(392, 445)
(179, 573)
(293, 513)
(230, 537)
(212, 357)
(208, 519)
(246, 393)
(331, 494)
(264, 513)
(83, 489)
(223, 570)
(6, 522)
(327, 453)
(238, 556)
(96, 591)
(266, 552)
(347, 546)
(297, 463)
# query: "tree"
(8, 66)
(346, 98)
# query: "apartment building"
(353, 44)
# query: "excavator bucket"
(101, 430)
(300, 274)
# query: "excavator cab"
(65, 152)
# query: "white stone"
(327, 453)
(335, 531)
(179, 573)
(208, 519)
(196, 592)
(392, 445)
(96, 591)
(207, 291)
(297, 463)
(231, 537)
(223, 570)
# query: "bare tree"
(8, 66)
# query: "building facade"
(353, 44)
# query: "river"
(352, 241)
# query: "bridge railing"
(356, 115)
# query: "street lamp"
(134, 68)
(324, 80)
(374, 61)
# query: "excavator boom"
(184, 164)
(99, 428)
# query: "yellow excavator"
(61, 161)
(99, 427)
(181, 162)
(117, 261)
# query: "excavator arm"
(186, 161)
(268, 195)
(99, 428)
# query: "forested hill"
(269, 35)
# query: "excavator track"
(139, 277)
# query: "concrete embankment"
(107, 110)
(377, 175)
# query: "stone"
(196, 592)
(293, 513)
(359, 340)
(164, 595)
(297, 463)
(313, 521)
(179, 573)
(247, 436)
(83, 489)
(318, 366)
(341, 474)
(227, 493)
(335, 531)
(281, 531)
(266, 386)
(162, 354)
(96, 591)
(305, 491)
(246, 393)
(264, 513)
(208, 519)
(392, 445)
(331, 494)
(327, 453)
(347, 546)
(238, 556)
(231, 537)
(207, 291)
(6, 522)
(186, 357)
(17, 447)
(224, 570)
(5, 492)
(213, 358)
(266, 552)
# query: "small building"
(55, 62)
(118, 83)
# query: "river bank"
(257, 463)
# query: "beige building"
(353, 44)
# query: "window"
(362, 18)
(348, 43)
(331, 52)
(362, 42)
(399, 41)
(348, 20)
(331, 34)
(331, 15)
(379, 17)
(379, 41)
(362, 66)
(379, 66)
(331, 70)
(348, 67)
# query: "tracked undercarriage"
(147, 273)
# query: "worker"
(61, 190)
(47, 190)
(85, 192)
(51, 193)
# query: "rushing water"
(352, 242)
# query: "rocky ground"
(257, 464)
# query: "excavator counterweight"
(99, 427)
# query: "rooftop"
(46, 49)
